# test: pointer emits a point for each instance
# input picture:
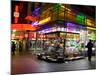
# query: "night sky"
(88, 10)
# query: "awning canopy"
(22, 27)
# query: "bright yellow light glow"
(14, 30)
(44, 20)
(89, 22)
(13, 35)
(91, 28)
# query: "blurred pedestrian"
(57, 46)
(89, 51)
(13, 47)
(20, 46)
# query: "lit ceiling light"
(91, 28)
(41, 21)
(14, 30)
(66, 8)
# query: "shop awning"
(22, 27)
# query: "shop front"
(91, 34)
(21, 34)
(18, 38)
(70, 38)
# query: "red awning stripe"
(22, 27)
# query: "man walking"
(89, 52)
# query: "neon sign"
(35, 23)
(70, 24)
(89, 22)
(44, 20)
(57, 7)
(91, 28)
(36, 11)
(16, 14)
(80, 19)
(31, 18)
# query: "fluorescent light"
(91, 28)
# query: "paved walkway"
(27, 63)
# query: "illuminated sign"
(81, 16)
(70, 24)
(36, 11)
(73, 36)
(31, 18)
(16, 14)
(35, 23)
(21, 27)
(42, 36)
(71, 27)
(80, 19)
(89, 22)
(90, 28)
(44, 20)
(57, 7)
(66, 8)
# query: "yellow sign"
(91, 28)
(44, 20)
(89, 22)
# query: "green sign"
(93, 36)
(80, 19)
(57, 7)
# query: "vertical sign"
(16, 14)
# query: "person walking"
(89, 51)
(13, 47)
(20, 46)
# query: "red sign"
(31, 18)
(22, 27)
(42, 36)
(16, 14)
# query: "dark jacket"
(89, 45)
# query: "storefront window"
(91, 34)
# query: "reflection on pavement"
(28, 63)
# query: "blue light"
(36, 11)
(35, 23)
